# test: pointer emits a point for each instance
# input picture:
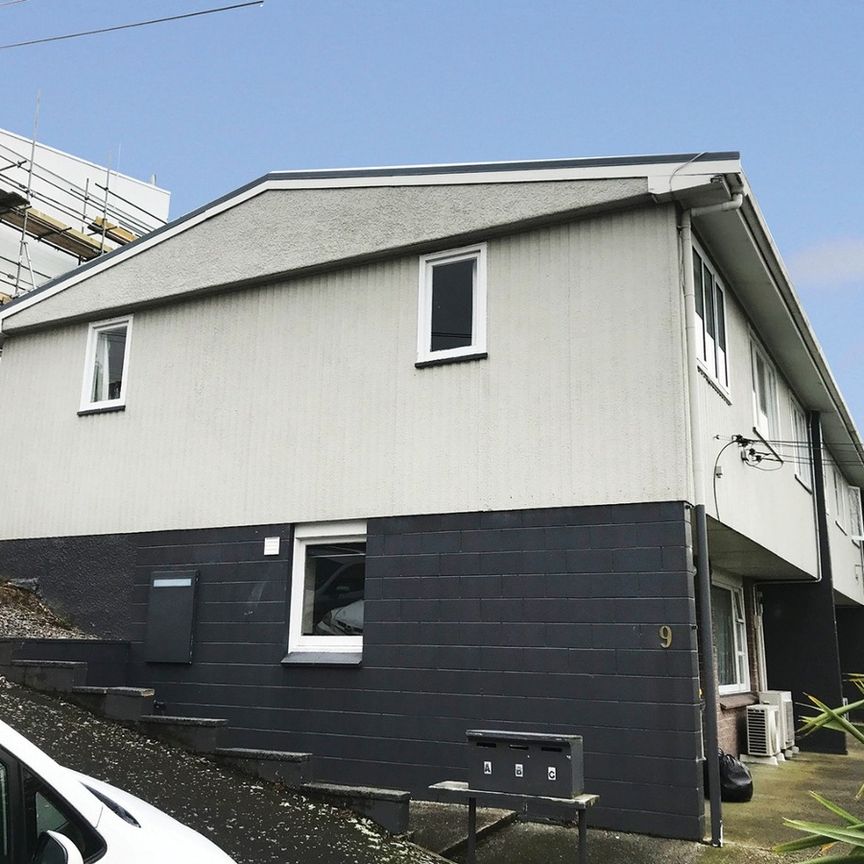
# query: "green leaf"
(852, 836)
(837, 810)
(832, 719)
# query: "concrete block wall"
(532, 620)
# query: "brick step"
(386, 807)
(51, 676)
(278, 766)
(199, 734)
(116, 703)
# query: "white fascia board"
(658, 174)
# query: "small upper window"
(328, 579)
(800, 446)
(856, 523)
(711, 315)
(841, 500)
(764, 393)
(452, 304)
(106, 364)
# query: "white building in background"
(67, 211)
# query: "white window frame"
(309, 535)
(841, 499)
(739, 630)
(856, 518)
(768, 426)
(97, 327)
(802, 458)
(712, 358)
(428, 263)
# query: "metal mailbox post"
(515, 771)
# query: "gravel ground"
(256, 823)
(23, 615)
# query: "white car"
(52, 815)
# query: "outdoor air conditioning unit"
(782, 699)
(763, 737)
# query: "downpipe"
(703, 572)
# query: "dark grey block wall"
(88, 580)
(540, 620)
(850, 634)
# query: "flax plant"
(832, 838)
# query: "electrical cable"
(129, 26)
(729, 443)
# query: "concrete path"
(256, 823)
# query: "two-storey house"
(545, 446)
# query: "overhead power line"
(130, 26)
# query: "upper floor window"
(801, 445)
(711, 315)
(841, 500)
(764, 393)
(856, 523)
(452, 305)
(106, 364)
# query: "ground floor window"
(730, 636)
(328, 576)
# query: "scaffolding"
(47, 208)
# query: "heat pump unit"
(762, 730)
(782, 699)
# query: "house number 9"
(666, 636)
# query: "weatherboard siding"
(535, 620)
(300, 398)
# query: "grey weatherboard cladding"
(536, 620)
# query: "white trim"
(95, 328)
(477, 253)
(742, 656)
(769, 434)
(801, 458)
(660, 176)
(711, 365)
(304, 535)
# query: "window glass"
(44, 811)
(801, 446)
(452, 304)
(4, 816)
(333, 590)
(730, 638)
(711, 315)
(855, 516)
(764, 393)
(108, 364)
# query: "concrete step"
(117, 703)
(199, 734)
(278, 766)
(386, 807)
(52, 676)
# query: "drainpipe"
(703, 573)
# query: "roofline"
(24, 139)
(434, 174)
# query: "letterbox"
(528, 763)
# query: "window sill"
(106, 409)
(715, 385)
(441, 361)
(804, 485)
(323, 658)
(731, 701)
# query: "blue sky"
(212, 102)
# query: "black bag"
(736, 784)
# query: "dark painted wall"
(850, 633)
(543, 620)
(87, 580)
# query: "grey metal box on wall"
(171, 616)
(525, 762)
